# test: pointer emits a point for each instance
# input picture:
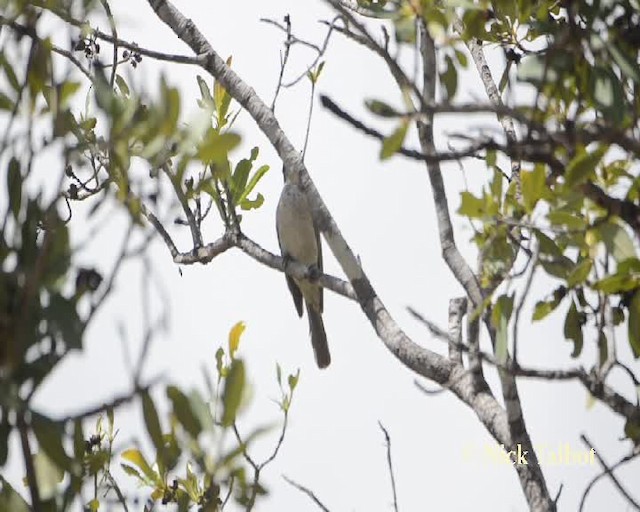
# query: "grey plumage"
(299, 239)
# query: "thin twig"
(284, 58)
(306, 491)
(518, 311)
(114, 34)
(196, 235)
(387, 440)
(309, 116)
(608, 470)
(112, 404)
(28, 463)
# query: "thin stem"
(28, 463)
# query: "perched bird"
(299, 240)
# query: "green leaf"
(136, 458)
(67, 90)
(233, 388)
(293, 380)
(563, 218)
(183, 412)
(65, 321)
(152, 421)
(504, 79)
(205, 92)
(558, 267)
(222, 99)
(122, 85)
(6, 103)
(48, 475)
(78, 441)
(14, 187)
(252, 204)
(607, 93)
(449, 78)
(405, 29)
(632, 431)
(634, 324)
(532, 69)
(617, 241)
(315, 74)
(215, 147)
(533, 187)
(393, 143)
(253, 182)
(627, 64)
(239, 178)
(618, 282)
(472, 206)
(580, 273)
(219, 363)
(603, 348)
(380, 108)
(500, 319)
(583, 166)
(10, 73)
(573, 329)
(462, 57)
(202, 410)
(10, 499)
(544, 308)
(50, 439)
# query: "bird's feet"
(286, 261)
(314, 273)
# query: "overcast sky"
(384, 209)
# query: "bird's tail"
(318, 337)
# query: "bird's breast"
(296, 232)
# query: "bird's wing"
(293, 287)
(296, 294)
(319, 265)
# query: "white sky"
(334, 445)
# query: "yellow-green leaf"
(582, 166)
(573, 329)
(580, 273)
(393, 143)
(152, 421)
(136, 458)
(617, 241)
(233, 388)
(234, 337)
(533, 187)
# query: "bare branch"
(533, 262)
(387, 440)
(457, 310)
(112, 404)
(30, 32)
(284, 58)
(196, 235)
(30, 469)
(609, 472)
(306, 491)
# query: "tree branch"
(608, 471)
(306, 491)
(387, 440)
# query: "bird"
(299, 240)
